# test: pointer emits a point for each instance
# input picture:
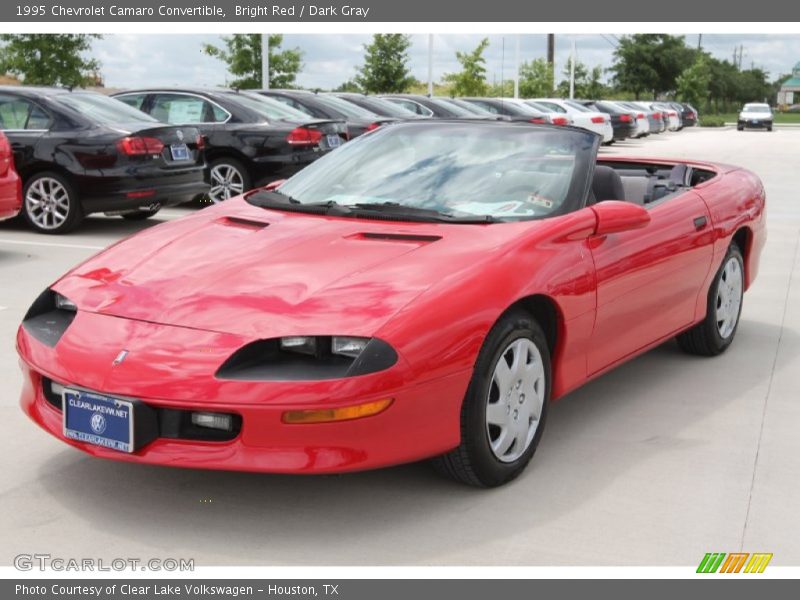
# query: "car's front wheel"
(505, 408)
(50, 204)
(715, 333)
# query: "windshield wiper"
(276, 199)
(416, 213)
(279, 200)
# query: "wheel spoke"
(497, 413)
(503, 443)
(503, 376)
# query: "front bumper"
(754, 124)
(423, 420)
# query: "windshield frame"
(576, 190)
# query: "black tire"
(704, 339)
(769, 128)
(140, 215)
(739, 128)
(473, 462)
(74, 210)
(231, 163)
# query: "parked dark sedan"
(81, 152)
(250, 140)
(379, 106)
(513, 110)
(325, 106)
(435, 108)
(687, 112)
(622, 121)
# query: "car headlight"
(308, 358)
(49, 316)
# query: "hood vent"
(242, 223)
(400, 237)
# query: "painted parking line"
(50, 244)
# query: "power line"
(612, 43)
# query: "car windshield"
(272, 109)
(546, 106)
(577, 106)
(470, 108)
(344, 107)
(457, 109)
(381, 106)
(102, 109)
(756, 108)
(499, 171)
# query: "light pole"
(265, 61)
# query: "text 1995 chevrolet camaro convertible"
(424, 291)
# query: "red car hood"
(262, 273)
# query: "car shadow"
(92, 225)
(408, 514)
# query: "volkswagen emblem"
(98, 423)
(180, 135)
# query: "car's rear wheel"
(715, 333)
(505, 408)
(50, 204)
(228, 178)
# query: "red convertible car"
(422, 292)
(10, 184)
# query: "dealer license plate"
(99, 420)
(179, 152)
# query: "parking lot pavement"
(656, 463)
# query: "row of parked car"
(69, 153)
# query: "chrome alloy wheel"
(226, 182)
(516, 397)
(729, 297)
(47, 203)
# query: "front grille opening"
(178, 424)
(173, 423)
(52, 392)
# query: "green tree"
(48, 59)
(588, 82)
(351, 85)
(692, 84)
(471, 80)
(385, 69)
(595, 88)
(646, 63)
(535, 79)
(242, 54)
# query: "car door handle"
(700, 223)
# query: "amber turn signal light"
(345, 413)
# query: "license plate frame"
(180, 152)
(99, 420)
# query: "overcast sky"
(328, 60)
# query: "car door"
(648, 280)
(25, 123)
